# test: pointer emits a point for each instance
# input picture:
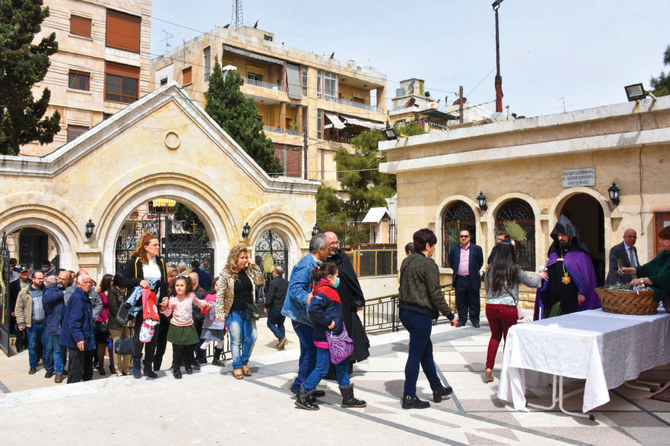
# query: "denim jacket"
(295, 305)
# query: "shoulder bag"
(123, 346)
(340, 346)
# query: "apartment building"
(293, 90)
(101, 66)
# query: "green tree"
(22, 65)
(661, 84)
(238, 116)
(360, 178)
(191, 221)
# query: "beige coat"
(225, 289)
(24, 308)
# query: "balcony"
(330, 98)
(261, 84)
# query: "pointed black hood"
(565, 226)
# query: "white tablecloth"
(605, 349)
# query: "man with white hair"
(77, 330)
(181, 268)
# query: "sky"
(555, 56)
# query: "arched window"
(516, 217)
(456, 217)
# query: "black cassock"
(351, 296)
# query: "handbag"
(340, 346)
(123, 346)
(123, 315)
(252, 311)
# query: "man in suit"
(466, 260)
(625, 255)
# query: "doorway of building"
(33, 248)
(587, 215)
(182, 236)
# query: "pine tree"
(661, 84)
(22, 65)
(238, 116)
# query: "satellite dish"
(427, 94)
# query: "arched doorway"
(587, 215)
(516, 218)
(455, 218)
(32, 246)
(182, 236)
(270, 251)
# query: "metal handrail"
(381, 313)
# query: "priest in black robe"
(351, 296)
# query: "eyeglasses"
(465, 236)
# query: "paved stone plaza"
(211, 407)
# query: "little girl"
(325, 310)
(182, 333)
(213, 330)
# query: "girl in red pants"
(502, 296)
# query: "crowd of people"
(71, 324)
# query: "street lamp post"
(498, 81)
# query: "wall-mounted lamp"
(481, 201)
(390, 133)
(614, 193)
(245, 230)
(636, 92)
(89, 228)
(315, 229)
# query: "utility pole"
(498, 81)
(460, 104)
(304, 150)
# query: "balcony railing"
(269, 128)
(330, 98)
(264, 85)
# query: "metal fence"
(348, 233)
(381, 313)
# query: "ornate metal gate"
(269, 251)
(178, 242)
(5, 320)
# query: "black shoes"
(348, 399)
(413, 402)
(305, 401)
(32, 371)
(195, 364)
(176, 371)
(440, 393)
(217, 357)
(49, 374)
(476, 325)
(189, 367)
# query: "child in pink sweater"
(182, 333)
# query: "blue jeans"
(55, 354)
(321, 369)
(419, 327)
(276, 323)
(36, 336)
(242, 333)
(307, 353)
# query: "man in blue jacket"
(77, 329)
(466, 260)
(53, 308)
(295, 308)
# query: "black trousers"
(81, 365)
(161, 341)
(181, 353)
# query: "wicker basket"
(627, 302)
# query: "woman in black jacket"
(145, 264)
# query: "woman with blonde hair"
(145, 264)
(236, 306)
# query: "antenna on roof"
(167, 38)
(237, 17)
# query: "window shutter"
(80, 26)
(74, 131)
(122, 70)
(123, 31)
(186, 76)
